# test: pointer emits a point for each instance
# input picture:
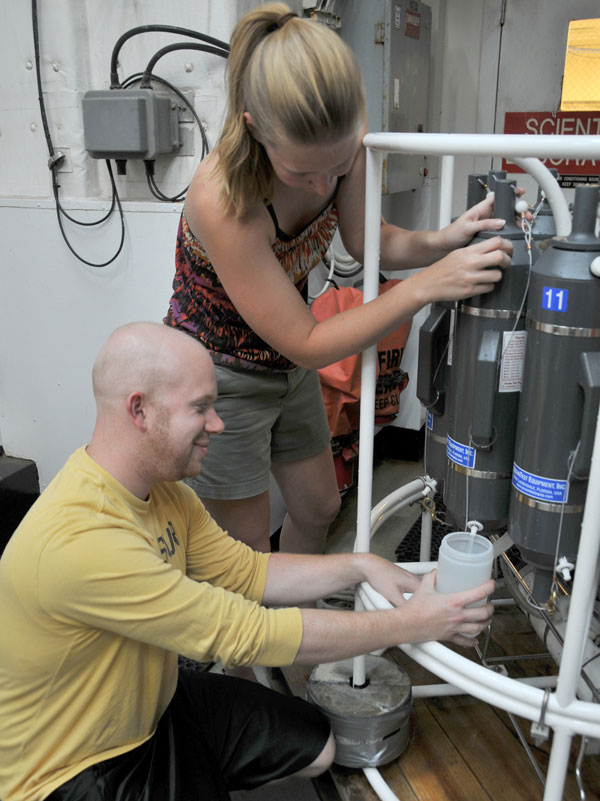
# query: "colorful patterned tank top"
(201, 307)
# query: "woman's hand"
(464, 272)
(477, 218)
(470, 223)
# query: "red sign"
(412, 24)
(582, 123)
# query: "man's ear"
(250, 125)
(135, 405)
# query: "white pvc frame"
(564, 713)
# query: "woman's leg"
(312, 500)
(277, 422)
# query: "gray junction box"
(129, 124)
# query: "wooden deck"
(462, 749)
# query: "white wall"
(55, 312)
(76, 41)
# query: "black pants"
(218, 734)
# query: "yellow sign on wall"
(581, 81)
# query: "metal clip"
(550, 605)
(540, 731)
(56, 160)
(429, 505)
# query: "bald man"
(118, 568)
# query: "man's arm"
(331, 635)
(299, 578)
(428, 615)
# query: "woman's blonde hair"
(298, 80)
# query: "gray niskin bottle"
(485, 383)
(559, 400)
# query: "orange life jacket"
(340, 382)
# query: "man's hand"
(390, 580)
(428, 615)
(437, 616)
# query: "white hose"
(378, 783)
(493, 688)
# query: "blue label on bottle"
(429, 421)
(554, 299)
(553, 490)
(460, 454)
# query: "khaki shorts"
(277, 417)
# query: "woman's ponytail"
(298, 80)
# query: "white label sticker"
(513, 359)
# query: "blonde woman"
(288, 170)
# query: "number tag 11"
(555, 299)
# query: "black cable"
(55, 159)
(591, 659)
(171, 49)
(221, 49)
(36, 47)
(137, 77)
(121, 215)
(158, 194)
(114, 77)
(149, 166)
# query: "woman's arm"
(402, 249)
(240, 251)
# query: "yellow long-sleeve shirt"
(99, 592)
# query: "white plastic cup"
(465, 561)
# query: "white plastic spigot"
(473, 526)
(595, 267)
(564, 567)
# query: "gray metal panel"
(391, 41)
(360, 23)
(511, 60)
(519, 57)
(410, 44)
